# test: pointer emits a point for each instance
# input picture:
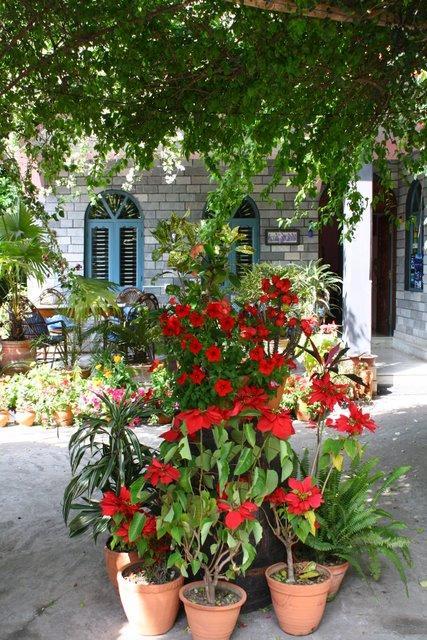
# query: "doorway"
(384, 234)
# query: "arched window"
(114, 237)
(415, 237)
(246, 218)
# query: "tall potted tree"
(24, 253)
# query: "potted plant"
(298, 590)
(25, 252)
(26, 402)
(106, 456)
(354, 526)
(7, 400)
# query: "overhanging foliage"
(237, 81)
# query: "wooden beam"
(324, 11)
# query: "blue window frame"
(414, 267)
(246, 218)
(114, 239)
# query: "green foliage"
(313, 283)
(354, 524)
(105, 454)
(233, 95)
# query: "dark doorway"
(331, 253)
(383, 260)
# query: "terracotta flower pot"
(115, 561)
(299, 608)
(212, 623)
(64, 418)
(274, 401)
(337, 572)
(302, 413)
(16, 355)
(26, 417)
(150, 608)
(4, 418)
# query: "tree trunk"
(209, 587)
(290, 563)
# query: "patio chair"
(46, 334)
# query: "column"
(357, 283)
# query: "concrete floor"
(54, 588)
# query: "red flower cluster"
(248, 398)
(278, 288)
(354, 423)
(223, 387)
(111, 504)
(237, 515)
(218, 309)
(326, 392)
(213, 353)
(303, 497)
(308, 325)
(149, 529)
(197, 419)
(161, 473)
(171, 325)
(279, 424)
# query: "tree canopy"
(237, 82)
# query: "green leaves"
(245, 461)
(136, 526)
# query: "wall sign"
(282, 236)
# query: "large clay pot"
(299, 608)
(4, 417)
(115, 561)
(64, 418)
(302, 413)
(25, 417)
(274, 401)
(16, 355)
(212, 623)
(337, 572)
(150, 608)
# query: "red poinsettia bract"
(197, 419)
(111, 503)
(354, 423)
(279, 424)
(161, 473)
(326, 392)
(303, 497)
(237, 515)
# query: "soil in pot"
(208, 622)
(299, 607)
(25, 418)
(150, 599)
(116, 560)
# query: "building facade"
(113, 239)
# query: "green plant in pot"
(27, 397)
(105, 456)
(25, 252)
(354, 526)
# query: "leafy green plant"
(313, 283)
(105, 455)
(353, 523)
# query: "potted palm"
(24, 253)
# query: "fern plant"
(354, 527)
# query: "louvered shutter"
(244, 260)
(100, 247)
(128, 247)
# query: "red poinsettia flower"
(196, 319)
(223, 387)
(213, 353)
(111, 503)
(197, 419)
(149, 528)
(227, 324)
(308, 325)
(218, 309)
(173, 434)
(266, 366)
(182, 378)
(182, 310)
(161, 473)
(197, 375)
(354, 423)
(237, 515)
(248, 398)
(279, 424)
(325, 391)
(195, 346)
(278, 497)
(257, 354)
(303, 497)
(123, 531)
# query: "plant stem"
(290, 562)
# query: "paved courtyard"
(54, 588)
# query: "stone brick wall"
(411, 306)
(158, 199)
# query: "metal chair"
(36, 328)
